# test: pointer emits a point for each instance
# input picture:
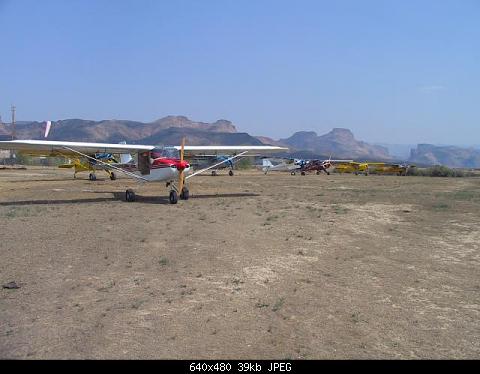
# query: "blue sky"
(391, 71)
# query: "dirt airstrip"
(252, 266)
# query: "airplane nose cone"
(182, 165)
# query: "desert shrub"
(244, 163)
(437, 171)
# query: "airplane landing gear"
(185, 194)
(303, 173)
(173, 197)
(230, 173)
(214, 173)
(92, 177)
(292, 173)
(318, 172)
(130, 195)
(112, 176)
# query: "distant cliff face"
(168, 130)
(340, 143)
(445, 155)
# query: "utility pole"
(14, 135)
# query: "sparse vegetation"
(440, 206)
(244, 163)
(278, 304)
(439, 171)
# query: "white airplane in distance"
(153, 164)
(267, 166)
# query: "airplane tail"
(267, 163)
(125, 158)
(47, 128)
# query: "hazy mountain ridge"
(340, 143)
(451, 156)
(114, 131)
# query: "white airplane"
(161, 164)
(267, 166)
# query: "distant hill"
(445, 155)
(340, 143)
(167, 130)
(399, 151)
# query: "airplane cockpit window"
(167, 152)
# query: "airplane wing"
(61, 148)
(49, 147)
(214, 150)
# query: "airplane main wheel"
(328, 173)
(214, 173)
(318, 173)
(173, 198)
(113, 176)
(292, 173)
(129, 196)
(230, 173)
(92, 177)
(185, 195)
(303, 173)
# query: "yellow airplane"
(80, 166)
(372, 167)
(355, 167)
(398, 169)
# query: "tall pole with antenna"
(14, 135)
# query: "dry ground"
(252, 266)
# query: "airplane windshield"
(167, 152)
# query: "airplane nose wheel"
(173, 197)
(113, 176)
(130, 196)
(92, 177)
(230, 173)
(185, 194)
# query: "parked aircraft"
(152, 164)
(81, 164)
(206, 160)
(353, 167)
(398, 169)
(290, 166)
(317, 166)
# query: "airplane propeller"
(181, 178)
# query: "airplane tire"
(303, 173)
(92, 177)
(318, 173)
(328, 173)
(185, 195)
(129, 195)
(292, 173)
(173, 197)
(113, 176)
(214, 173)
(230, 173)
